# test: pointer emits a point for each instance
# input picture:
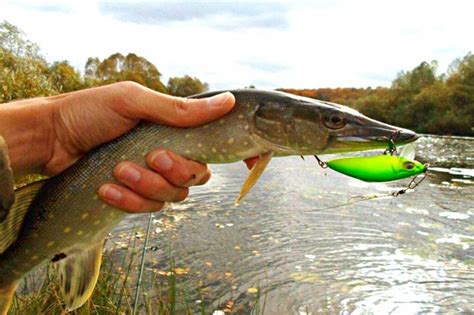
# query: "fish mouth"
(368, 135)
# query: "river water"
(310, 242)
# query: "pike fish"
(62, 220)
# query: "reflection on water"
(406, 255)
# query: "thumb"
(178, 111)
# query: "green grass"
(162, 293)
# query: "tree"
(23, 72)
(64, 78)
(415, 80)
(186, 86)
(14, 41)
(117, 68)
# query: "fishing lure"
(380, 168)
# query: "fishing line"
(142, 265)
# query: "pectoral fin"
(78, 275)
(255, 172)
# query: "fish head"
(346, 130)
(294, 125)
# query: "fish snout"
(365, 133)
(381, 132)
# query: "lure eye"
(409, 166)
(334, 121)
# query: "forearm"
(26, 127)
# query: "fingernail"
(219, 99)
(162, 161)
(129, 174)
(111, 193)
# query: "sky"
(269, 44)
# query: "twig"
(142, 264)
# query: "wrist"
(26, 128)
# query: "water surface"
(299, 238)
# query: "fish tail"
(6, 297)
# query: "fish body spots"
(246, 127)
(34, 258)
(199, 145)
(230, 140)
(231, 156)
(241, 116)
(224, 150)
(112, 214)
(50, 216)
(96, 222)
(204, 156)
(222, 121)
(50, 244)
(165, 141)
(187, 152)
(67, 229)
(221, 157)
(84, 215)
(79, 233)
(214, 150)
(246, 143)
(187, 135)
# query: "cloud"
(224, 15)
(324, 43)
(48, 6)
(263, 65)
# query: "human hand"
(63, 128)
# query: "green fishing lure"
(380, 168)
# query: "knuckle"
(181, 108)
(158, 189)
(128, 86)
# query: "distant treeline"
(24, 73)
(418, 99)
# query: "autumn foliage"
(24, 73)
(419, 99)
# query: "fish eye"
(334, 121)
(409, 165)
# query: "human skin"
(46, 135)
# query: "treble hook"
(414, 182)
(392, 148)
